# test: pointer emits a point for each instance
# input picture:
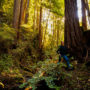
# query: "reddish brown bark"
(16, 13)
(34, 19)
(72, 29)
(16, 16)
(73, 34)
(84, 21)
(88, 10)
(19, 11)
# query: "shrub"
(6, 38)
(51, 73)
(6, 62)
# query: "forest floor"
(80, 77)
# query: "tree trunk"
(22, 11)
(37, 27)
(40, 29)
(34, 19)
(88, 10)
(53, 38)
(16, 13)
(16, 16)
(73, 34)
(57, 34)
(84, 21)
(21, 18)
(27, 13)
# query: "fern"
(49, 72)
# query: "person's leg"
(59, 58)
(67, 60)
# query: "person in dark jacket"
(63, 50)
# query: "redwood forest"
(44, 44)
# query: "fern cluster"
(49, 72)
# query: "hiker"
(62, 51)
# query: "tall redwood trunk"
(16, 16)
(88, 10)
(20, 18)
(84, 21)
(73, 34)
(27, 13)
(16, 13)
(34, 18)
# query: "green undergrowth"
(5, 62)
(51, 73)
(7, 67)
